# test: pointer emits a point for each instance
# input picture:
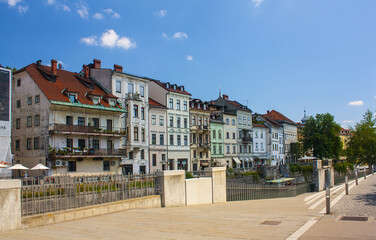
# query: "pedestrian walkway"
(361, 202)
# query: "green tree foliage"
(321, 135)
(362, 144)
(13, 69)
(296, 150)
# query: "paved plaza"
(256, 219)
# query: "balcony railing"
(204, 145)
(103, 130)
(247, 139)
(84, 152)
(133, 96)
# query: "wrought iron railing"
(103, 130)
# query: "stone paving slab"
(233, 220)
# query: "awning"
(251, 159)
(204, 164)
(236, 160)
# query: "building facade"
(176, 98)
(260, 155)
(200, 134)
(217, 136)
(158, 136)
(133, 94)
(66, 121)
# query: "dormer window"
(198, 106)
(112, 102)
(96, 100)
(73, 97)
(174, 87)
(182, 88)
(167, 85)
(204, 107)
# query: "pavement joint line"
(323, 193)
(298, 233)
(323, 199)
(316, 195)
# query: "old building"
(243, 128)
(65, 120)
(200, 134)
(176, 98)
(217, 135)
(133, 93)
(158, 136)
(260, 155)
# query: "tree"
(362, 144)
(321, 135)
(296, 150)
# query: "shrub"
(255, 175)
(188, 175)
(295, 168)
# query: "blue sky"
(285, 55)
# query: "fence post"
(347, 185)
(356, 176)
(327, 199)
(365, 173)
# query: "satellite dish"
(60, 66)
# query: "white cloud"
(257, 3)
(82, 10)
(189, 58)
(116, 15)
(66, 8)
(110, 39)
(50, 2)
(162, 13)
(348, 121)
(13, 3)
(356, 103)
(164, 35)
(108, 10)
(92, 40)
(98, 16)
(180, 35)
(23, 9)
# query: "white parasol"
(18, 167)
(3, 166)
(40, 167)
(307, 158)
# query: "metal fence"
(247, 191)
(65, 192)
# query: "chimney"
(267, 112)
(39, 63)
(85, 69)
(53, 66)
(225, 97)
(97, 63)
(118, 68)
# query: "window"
(227, 121)
(262, 134)
(200, 121)
(179, 140)
(70, 143)
(142, 113)
(81, 121)
(142, 154)
(249, 121)
(28, 144)
(130, 87)
(240, 134)
(233, 135)
(194, 138)
(193, 120)
(219, 134)
(29, 100)
(256, 134)
(228, 150)
(29, 122)
(244, 121)
(95, 144)
(18, 123)
(131, 155)
(233, 149)
(71, 166)
(194, 154)
(257, 148)
(227, 135)
(36, 143)
(96, 100)
(171, 121)
(214, 134)
(201, 152)
(142, 91)
(112, 102)
(249, 148)
(109, 124)
(81, 143)
(240, 120)
(18, 82)
(17, 145)
(18, 104)
(154, 157)
(177, 104)
(233, 122)
(73, 98)
(240, 149)
(214, 149)
(36, 120)
(95, 122)
(171, 102)
(69, 120)
(220, 149)
(153, 119)
(262, 147)
(118, 86)
(143, 134)
(161, 139)
(37, 99)
(185, 106)
(135, 133)
(135, 111)
(185, 140)
(106, 165)
(185, 123)
(178, 122)
(163, 157)
(161, 121)
(171, 140)
(206, 122)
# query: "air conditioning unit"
(61, 163)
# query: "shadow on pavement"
(368, 199)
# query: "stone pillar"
(218, 175)
(318, 175)
(331, 169)
(10, 205)
(171, 186)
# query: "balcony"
(204, 145)
(133, 96)
(82, 129)
(247, 139)
(84, 153)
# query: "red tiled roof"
(271, 121)
(65, 81)
(170, 87)
(279, 117)
(155, 103)
(259, 125)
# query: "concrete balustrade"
(10, 205)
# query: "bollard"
(327, 200)
(356, 176)
(372, 169)
(365, 174)
(347, 185)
